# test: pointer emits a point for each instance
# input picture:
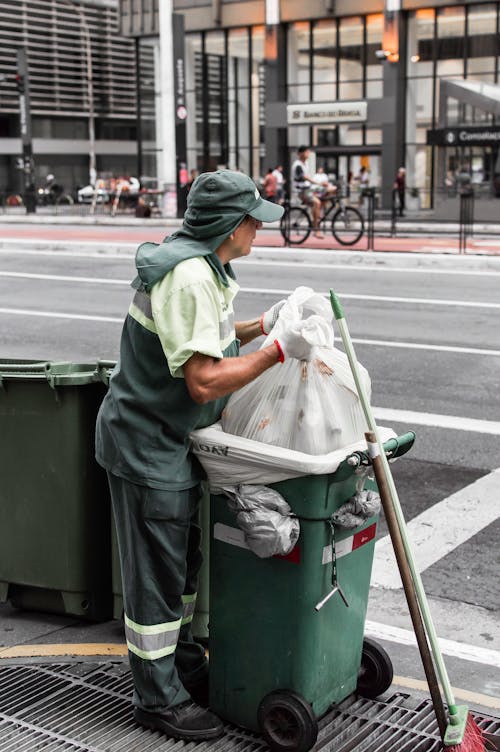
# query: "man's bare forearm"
(208, 379)
(246, 331)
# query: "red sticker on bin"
(347, 545)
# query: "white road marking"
(62, 315)
(449, 647)
(374, 342)
(264, 290)
(380, 298)
(452, 422)
(67, 278)
(249, 261)
(130, 248)
(421, 346)
(441, 528)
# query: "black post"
(22, 80)
(181, 112)
(138, 100)
(370, 230)
(394, 214)
(466, 220)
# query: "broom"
(462, 734)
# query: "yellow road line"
(488, 701)
(120, 649)
(84, 649)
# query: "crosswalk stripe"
(441, 528)
(461, 650)
(452, 422)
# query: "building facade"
(363, 83)
(52, 34)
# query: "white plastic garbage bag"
(228, 459)
(265, 518)
(308, 406)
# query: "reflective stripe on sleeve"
(188, 607)
(140, 310)
(151, 641)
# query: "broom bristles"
(473, 740)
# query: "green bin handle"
(395, 447)
(103, 370)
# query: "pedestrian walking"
(280, 192)
(179, 362)
(270, 185)
(400, 189)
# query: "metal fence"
(12, 203)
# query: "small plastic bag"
(309, 406)
(357, 510)
(265, 518)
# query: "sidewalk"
(415, 236)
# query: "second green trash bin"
(54, 501)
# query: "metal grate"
(85, 707)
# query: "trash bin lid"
(56, 373)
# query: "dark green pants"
(159, 544)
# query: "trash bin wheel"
(287, 722)
(376, 673)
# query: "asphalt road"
(428, 332)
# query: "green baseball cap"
(230, 193)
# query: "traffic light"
(20, 83)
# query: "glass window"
(351, 52)
(325, 61)
(298, 63)
(194, 102)
(451, 41)
(258, 81)
(350, 135)
(421, 43)
(351, 90)
(239, 99)
(482, 42)
(215, 43)
(374, 32)
(373, 136)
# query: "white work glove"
(270, 317)
(292, 343)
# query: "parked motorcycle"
(52, 194)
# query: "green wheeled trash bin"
(55, 550)
(276, 662)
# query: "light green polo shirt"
(143, 427)
(193, 312)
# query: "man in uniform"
(178, 365)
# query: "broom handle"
(404, 570)
(419, 588)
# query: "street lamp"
(90, 95)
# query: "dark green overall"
(142, 440)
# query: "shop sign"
(327, 112)
(482, 136)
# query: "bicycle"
(347, 223)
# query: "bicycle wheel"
(295, 225)
(347, 225)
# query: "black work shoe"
(199, 692)
(184, 721)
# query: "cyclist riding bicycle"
(303, 185)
